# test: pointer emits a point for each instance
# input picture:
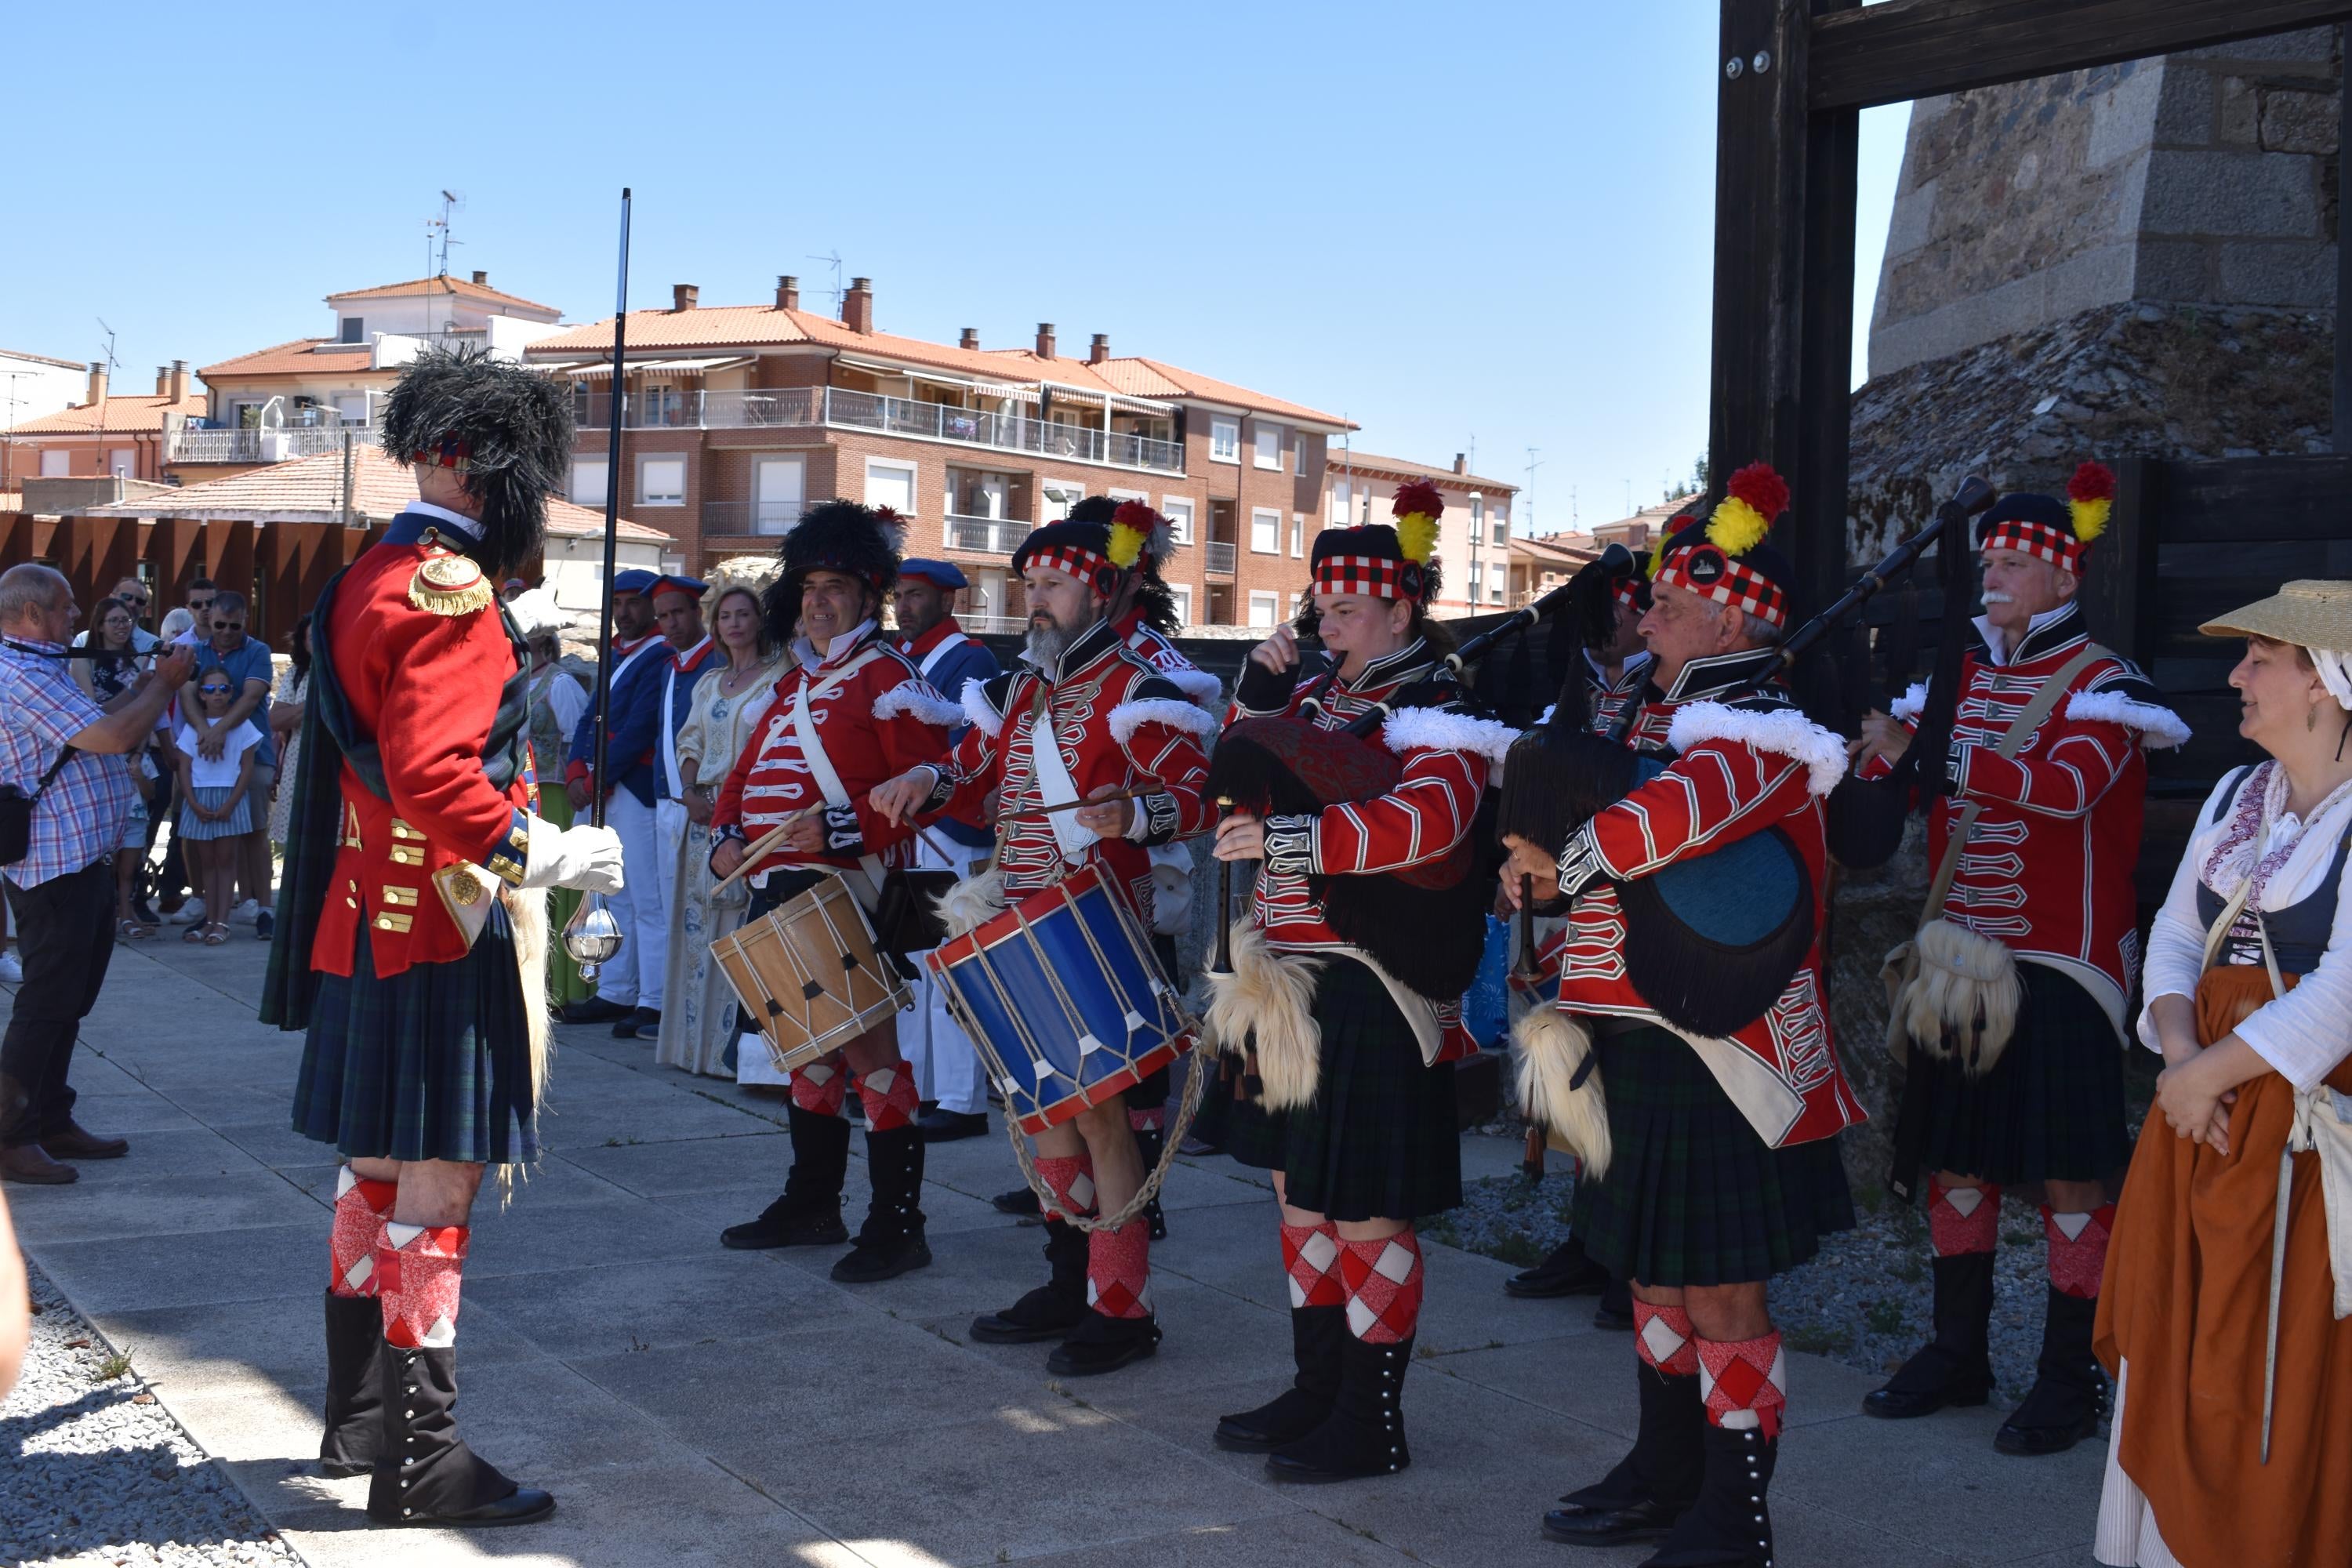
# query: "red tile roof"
(1132, 375)
(119, 415)
(464, 288)
(1340, 458)
(300, 357)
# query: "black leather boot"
(809, 1212)
(354, 1404)
(1730, 1526)
(891, 1241)
(1098, 1344)
(1654, 1485)
(1565, 1271)
(1314, 1336)
(1615, 1310)
(424, 1472)
(1955, 1367)
(1149, 1140)
(2070, 1388)
(1053, 1309)
(1364, 1434)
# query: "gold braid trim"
(450, 585)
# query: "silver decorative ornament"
(592, 937)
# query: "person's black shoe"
(642, 1024)
(596, 1010)
(144, 912)
(1099, 1344)
(2070, 1389)
(424, 1474)
(1195, 1148)
(1020, 1201)
(265, 926)
(1655, 1483)
(1053, 1309)
(871, 1262)
(1314, 1336)
(1581, 1524)
(890, 1243)
(947, 1126)
(1615, 1309)
(1567, 1271)
(783, 1224)
(524, 1505)
(1955, 1368)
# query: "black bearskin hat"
(505, 430)
(844, 536)
(1113, 540)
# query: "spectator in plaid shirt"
(61, 894)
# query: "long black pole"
(612, 528)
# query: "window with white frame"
(779, 493)
(890, 484)
(587, 481)
(1340, 501)
(1502, 530)
(1056, 497)
(57, 462)
(1266, 532)
(1264, 609)
(352, 329)
(1298, 534)
(1499, 576)
(1182, 593)
(1178, 511)
(1269, 447)
(661, 481)
(1299, 454)
(1225, 440)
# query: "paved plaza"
(688, 1404)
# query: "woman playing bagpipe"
(1691, 988)
(1363, 934)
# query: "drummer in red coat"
(1116, 724)
(852, 712)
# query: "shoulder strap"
(828, 780)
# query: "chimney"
(97, 398)
(682, 296)
(179, 381)
(788, 292)
(971, 339)
(857, 305)
(1461, 463)
(163, 381)
(1045, 339)
(1100, 351)
(481, 278)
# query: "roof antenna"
(437, 230)
(833, 258)
(112, 364)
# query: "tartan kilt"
(433, 1063)
(1381, 1140)
(2052, 1109)
(1693, 1195)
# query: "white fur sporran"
(1266, 1009)
(1548, 1048)
(1950, 990)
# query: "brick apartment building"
(1474, 536)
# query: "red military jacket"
(1735, 770)
(875, 716)
(422, 654)
(1169, 660)
(2048, 870)
(1115, 720)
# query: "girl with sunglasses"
(217, 806)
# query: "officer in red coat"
(412, 926)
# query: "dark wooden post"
(2343, 250)
(2119, 590)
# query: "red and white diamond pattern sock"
(1745, 1382)
(1150, 1121)
(1118, 1271)
(1663, 1337)
(888, 1095)
(1308, 1252)
(819, 1088)
(1962, 1219)
(418, 1268)
(2078, 1249)
(1071, 1181)
(1382, 1278)
(361, 1208)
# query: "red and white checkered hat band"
(1375, 576)
(1629, 593)
(1080, 563)
(1705, 570)
(2037, 540)
(450, 454)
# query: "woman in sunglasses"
(115, 628)
(215, 800)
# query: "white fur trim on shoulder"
(1784, 731)
(915, 698)
(1434, 730)
(1911, 704)
(1128, 717)
(2156, 726)
(976, 709)
(1197, 684)
(1543, 718)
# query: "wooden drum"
(810, 973)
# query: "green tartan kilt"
(1693, 1195)
(1381, 1140)
(2052, 1109)
(433, 1063)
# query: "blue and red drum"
(1064, 1000)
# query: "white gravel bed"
(93, 1469)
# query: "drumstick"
(1528, 967)
(765, 842)
(1037, 811)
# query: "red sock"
(1745, 1382)
(1118, 1271)
(1310, 1253)
(888, 1096)
(1150, 1121)
(819, 1088)
(1663, 1338)
(418, 1270)
(1382, 1278)
(2078, 1249)
(361, 1208)
(1072, 1183)
(1963, 1219)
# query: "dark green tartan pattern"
(2052, 1109)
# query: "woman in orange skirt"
(2233, 1433)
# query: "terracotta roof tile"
(464, 288)
(121, 414)
(300, 357)
(1132, 375)
(1369, 462)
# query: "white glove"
(585, 857)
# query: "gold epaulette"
(449, 585)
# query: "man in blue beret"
(693, 654)
(629, 988)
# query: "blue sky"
(1481, 223)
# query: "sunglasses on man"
(229, 625)
(138, 599)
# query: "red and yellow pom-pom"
(2091, 496)
(1131, 531)
(1757, 495)
(1418, 498)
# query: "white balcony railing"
(986, 535)
(278, 444)
(1218, 557)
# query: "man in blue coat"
(693, 653)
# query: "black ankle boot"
(1097, 1344)
(1314, 1336)
(809, 1212)
(1149, 1141)
(1654, 1485)
(2070, 1388)
(1956, 1366)
(1364, 1434)
(1053, 1309)
(1729, 1525)
(1565, 1271)
(424, 1472)
(891, 1241)
(354, 1406)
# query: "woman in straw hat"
(2222, 1316)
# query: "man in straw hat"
(412, 937)
(2014, 1020)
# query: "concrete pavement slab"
(94, 1209)
(126, 1274)
(728, 1298)
(1274, 1541)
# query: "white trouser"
(669, 837)
(946, 1066)
(640, 909)
(753, 1063)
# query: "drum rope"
(1196, 1078)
